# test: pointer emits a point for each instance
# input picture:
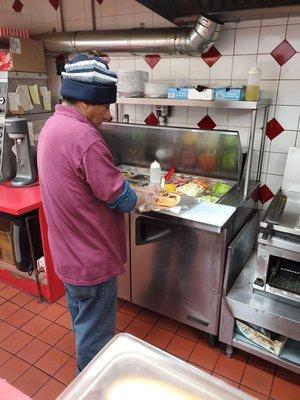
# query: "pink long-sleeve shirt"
(77, 180)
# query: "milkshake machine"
(17, 130)
(19, 127)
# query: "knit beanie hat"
(89, 79)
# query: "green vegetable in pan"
(209, 198)
(220, 189)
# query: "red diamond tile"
(265, 194)
(17, 6)
(283, 52)
(212, 56)
(274, 129)
(100, 1)
(54, 3)
(151, 120)
(152, 59)
(105, 58)
(255, 194)
(206, 123)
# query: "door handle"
(149, 231)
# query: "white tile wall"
(270, 69)
(293, 36)
(125, 21)
(225, 42)
(195, 115)
(257, 141)
(271, 37)
(288, 117)
(180, 68)
(162, 70)
(144, 18)
(283, 141)
(288, 93)
(241, 45)
(239, 118)
(277, 163)
(274, 21)
(274, 182)
(241, 65)
(246, 41)
(294, 20)
(269, 90)
(220, 69)
(291, 70)
(198, 69)
(255, 162)
(249, 24)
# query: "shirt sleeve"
(98, 170)
(126, 201)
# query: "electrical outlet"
(163, 111)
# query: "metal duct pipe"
(188, 41)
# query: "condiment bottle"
(252, 90)
(155, 173)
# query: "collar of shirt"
(71, 112)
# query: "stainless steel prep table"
(177, 261)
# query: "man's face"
(97, 114)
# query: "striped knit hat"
(89, 79)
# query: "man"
(84, 196)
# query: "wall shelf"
(225, 104)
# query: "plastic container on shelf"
(156, 89)
(155, 173)
(131, 83)
(252, 90)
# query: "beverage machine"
(25, 105)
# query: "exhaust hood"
(183, 12)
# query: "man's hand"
(146, 196)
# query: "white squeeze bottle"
(252, 91)
(155, 172)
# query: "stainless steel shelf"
(265, 355)
(242, 105)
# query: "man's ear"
(84, 105)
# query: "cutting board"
(207, 213)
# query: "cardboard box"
(206, 94)
(178, 93)
(230, 94)
(24, 55)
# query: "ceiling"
(183, 12)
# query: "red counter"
(18, 201)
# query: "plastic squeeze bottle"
(155, 172)
(252, 90)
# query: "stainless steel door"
(124, 287)
(177, 271)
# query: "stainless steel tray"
(130, 369)
(140, 177)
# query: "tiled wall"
(239, 46)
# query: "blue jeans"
(93, 312)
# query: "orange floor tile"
(37, 349)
